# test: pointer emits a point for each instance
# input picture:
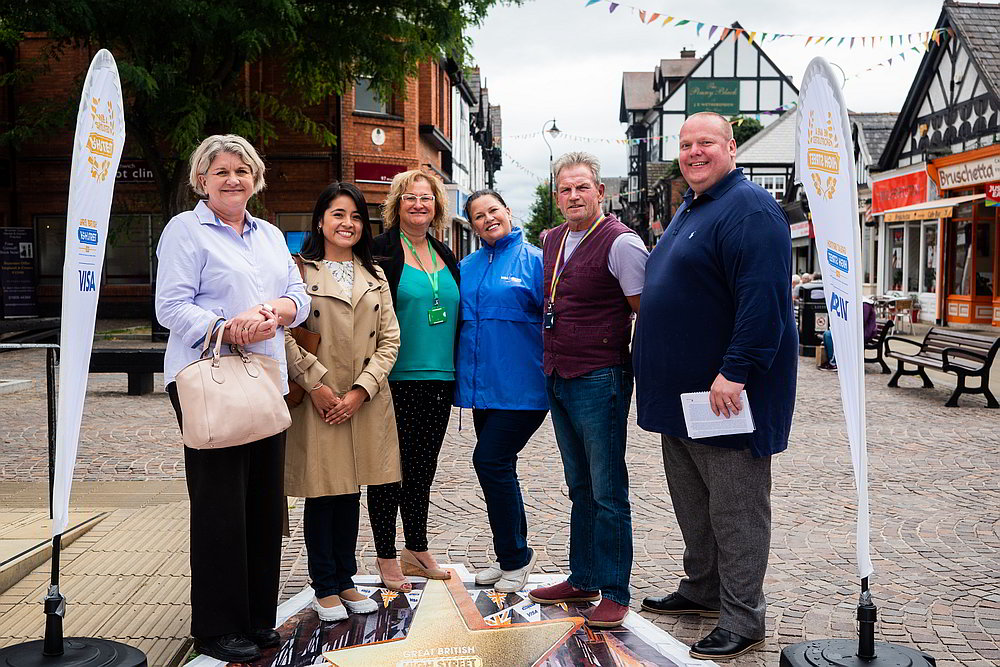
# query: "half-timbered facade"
(734, 78)
(940, 241)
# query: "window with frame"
(773, 183)
(367, 99)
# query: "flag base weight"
(77, 652)
(843, 653)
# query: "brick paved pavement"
(933, 485)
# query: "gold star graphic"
(448, 631)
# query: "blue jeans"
(589, 416)
(501, 435)
(828, 344)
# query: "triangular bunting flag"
(591, 2)
(698, 28)
(841, 41)
(763, 36)
(712, 30)
(682, 22)
(652, 18)
(668, 20)
(612, 7)
(852, 43)
(807, 41)
(752, 35)
(725, 33)
(642, 15)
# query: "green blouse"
(425, 352)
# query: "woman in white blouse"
(218, 261)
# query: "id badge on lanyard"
(549, 318)
(436, 314)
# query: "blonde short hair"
(574, 159)
(212, 147)
(400, 184)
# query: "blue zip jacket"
(500, 339)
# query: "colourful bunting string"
(926, 37)
(615, 140)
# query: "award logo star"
(448, 631)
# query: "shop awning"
(929, 210)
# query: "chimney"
(687, 53)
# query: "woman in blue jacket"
(499, 374)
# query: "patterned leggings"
(423, 408)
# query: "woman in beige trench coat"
(344, 435)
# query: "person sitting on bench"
(870, 330)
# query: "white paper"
(701, 422)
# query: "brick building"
(440, 122)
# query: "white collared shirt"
(206, 271)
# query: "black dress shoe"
(228, 648)
(677, 604)
(722, 644)
(268, 638)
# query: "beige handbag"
(229, 400)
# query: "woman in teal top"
(429, 350)
(423, 279)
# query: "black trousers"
(423, 408)
(331, 533)
(236, 496)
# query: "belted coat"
(359, 341)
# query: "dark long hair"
(314, 247)
(482, 193)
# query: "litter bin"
(813, 318)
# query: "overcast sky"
(558, 58)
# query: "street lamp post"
(554, 131)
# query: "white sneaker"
(330, 614)
(366, 606)
(513, 581)
(489, 576)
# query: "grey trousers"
(722, 499)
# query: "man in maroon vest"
(594, 272)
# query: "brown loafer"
(608, 614)
(563, 592)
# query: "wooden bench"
(960, 352)
(140, 364)
(877, 343)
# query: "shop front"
(803, 244)
(905, 256)
(971, 241)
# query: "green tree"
(183, 63)
(538, 216)
(746, 129)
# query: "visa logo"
(836, 260)
(838, 305)
(86, 235)
(87, 281)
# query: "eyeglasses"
(423, 199)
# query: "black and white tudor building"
(937, 233)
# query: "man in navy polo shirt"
(717, 316)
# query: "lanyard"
(560, 264)
(431, 277)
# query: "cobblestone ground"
(933, 485)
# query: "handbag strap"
(209, 336)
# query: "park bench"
(877, 343)
(960, 352)
(140, 364)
